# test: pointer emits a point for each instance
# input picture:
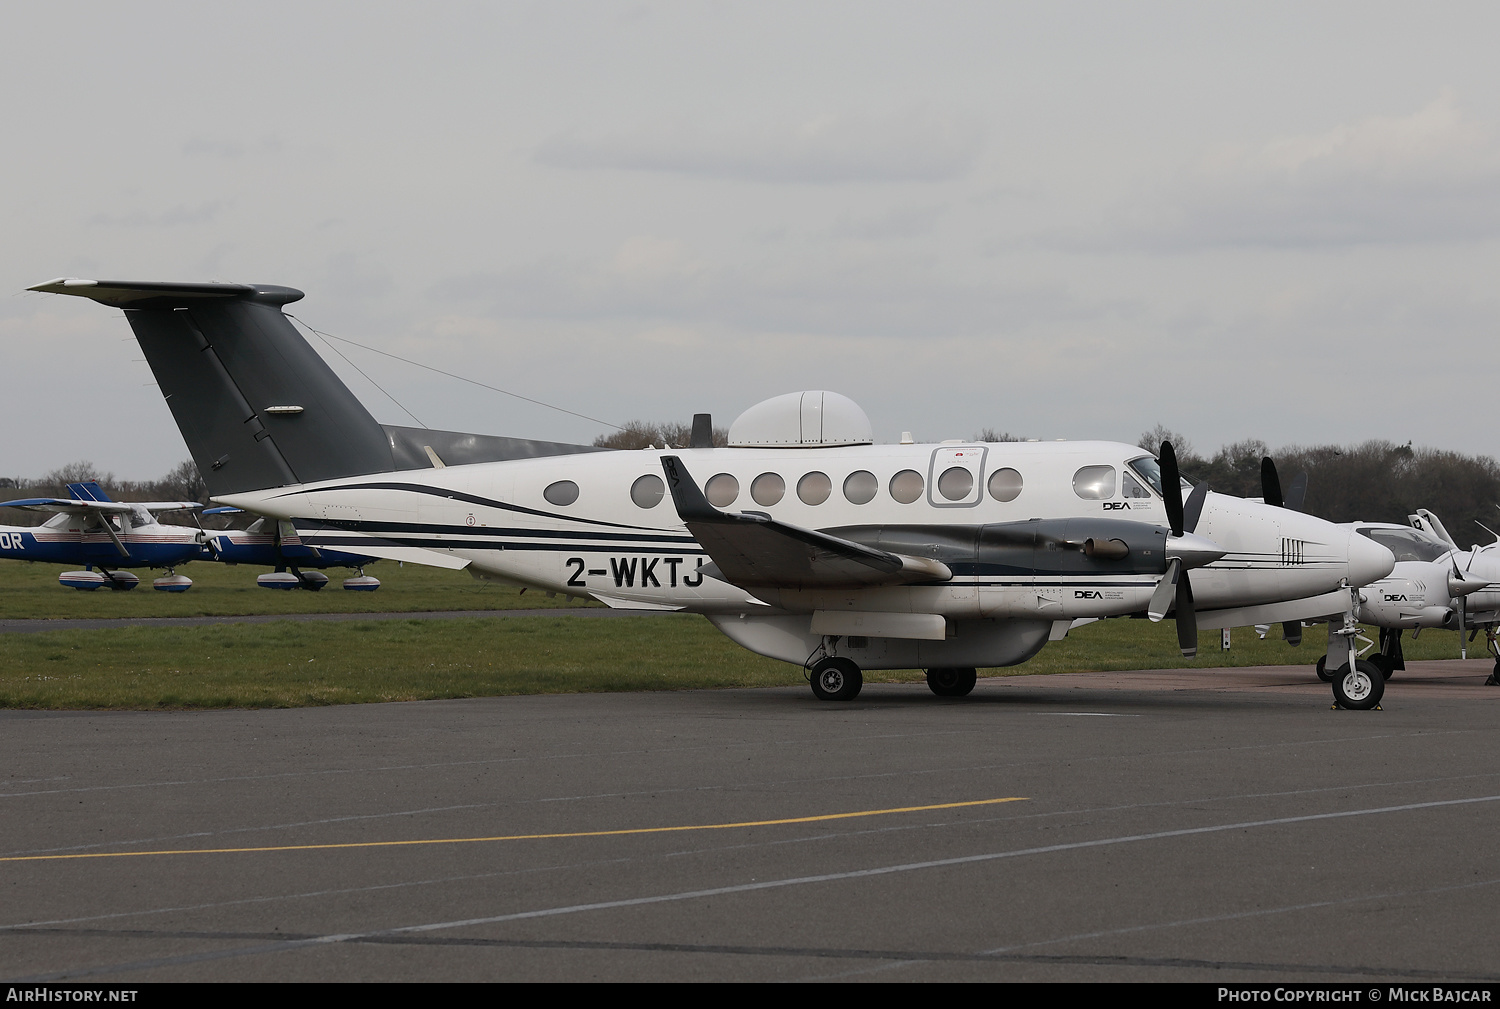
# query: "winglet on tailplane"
(256, 404)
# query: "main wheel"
(836, 680)
(1384, 663)
(1323, 673)
(951, 682)
(1494, 680)
(1358, 688)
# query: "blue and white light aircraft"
(804, 540)
(106, 537)
(292, 553)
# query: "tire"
(1323, 673)
(1383, 663)
(1360, 688)
(951, 682)
(836, 680)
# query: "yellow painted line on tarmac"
(518, 837)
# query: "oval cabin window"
(906, 486)
(1095, 483)
(1005, 485)
(955, 483)
(814, 488)
(648, 491)
(767, 489)
(721, 490)
(860, 487)
(563, 492)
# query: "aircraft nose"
(1368, 560)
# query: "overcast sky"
(1062, 220)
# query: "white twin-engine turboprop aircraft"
(803, 540)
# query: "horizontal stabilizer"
(752, 549)
(414, 555)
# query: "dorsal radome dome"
(814, 419)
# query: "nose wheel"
(1360, 687)
(836, 679)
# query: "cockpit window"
(1407, 544)
(140, 517)
(1131, 487)
(1149, 470)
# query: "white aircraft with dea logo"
(1434, 584)
(803, 540)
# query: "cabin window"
(860, 487)
(721, 490)
(1131, 487)
(814, 488)
(956, 483)
(648, 491)
(1095, 483)
(1005, 484)
(564, 492)
(768, 489)
(906, 486)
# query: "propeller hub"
(1193, 550)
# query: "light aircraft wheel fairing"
(1358, 688)
(836, 680)
(952, 682)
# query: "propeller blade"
(1192, 511)
(1270, 483)
(1166, 592)
(1187, 618)
(1297, 492)
(1171, 487)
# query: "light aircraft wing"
(76, 506)
(753, 549)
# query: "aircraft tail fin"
(87, 490)
(256, 404)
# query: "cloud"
(172, 217)
(1430, 176)
(915, 147)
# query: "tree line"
(1374, 481)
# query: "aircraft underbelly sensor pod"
(803, 540)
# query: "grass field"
(288, 664)
(30, 591)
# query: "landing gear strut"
(1358, 684)
(951, 682)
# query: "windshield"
(1149, 470)
(1408, 544)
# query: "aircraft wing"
(1309, 608)
(71, 506)
(753, 549)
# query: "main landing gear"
(836, 679)
(1492, 644)
(951, 682)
